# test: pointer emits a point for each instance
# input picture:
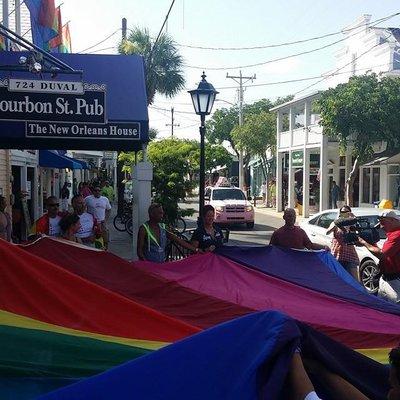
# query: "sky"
(234, 23)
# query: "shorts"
(349, 265)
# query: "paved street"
(266, 222)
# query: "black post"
(202, 166)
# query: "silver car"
(317, 225)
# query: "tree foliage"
(220, 126)
(162, 61)
(170, 169)
(257, 134)
(176, 162)
(361, 112)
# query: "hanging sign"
(33, 85)
(88, 107)
(105, 101)
(297, 158)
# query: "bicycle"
(179, 226)
(119, 221)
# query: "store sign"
(116, 130)
(69, 110)
(30, 85)
(64, 112)
(88, 107)
(297, 158)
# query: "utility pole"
(241, 80)
(172, 124)
(124, 28)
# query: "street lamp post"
(203, 100)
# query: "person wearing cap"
(389, 256)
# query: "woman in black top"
(208, 236)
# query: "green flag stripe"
(30, 353)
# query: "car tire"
(250, 225)
(369, 276)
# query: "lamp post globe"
(203, 97)
(203, 100)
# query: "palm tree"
(163, 63)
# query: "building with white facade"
(308, 161)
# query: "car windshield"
(228, 194)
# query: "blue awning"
(114, 84)
(84, 164)
(50, 159)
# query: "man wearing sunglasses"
(48, 223)
(99, 206)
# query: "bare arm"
(141, 243)
(340, 388)
(299, 381)
(182, 242)
(375, 250)
(331, 228)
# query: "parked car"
(317, 225)
(231, 206)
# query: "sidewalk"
(120, 242)
(272, 212)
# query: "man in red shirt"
(293, 236)
(389, 256)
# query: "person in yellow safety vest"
(153, 236)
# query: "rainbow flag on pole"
(43, 15)
(65, 46)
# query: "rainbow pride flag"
(209, 289)
(56, 327)
(70, 315)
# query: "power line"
(289, 56)
(299, 79)
(103, 49)
(102, 41)
(268, 46)
(165, 109)
(344, 66)
(165, 21)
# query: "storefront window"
(375, 184)
(366, 185)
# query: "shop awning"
(50, 159)
(83, 163)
